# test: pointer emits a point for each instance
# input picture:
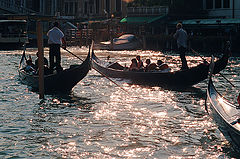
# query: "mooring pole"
(40, 59)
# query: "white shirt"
(55, 36)
(181, 36)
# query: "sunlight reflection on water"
(99, 120)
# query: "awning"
(207, 21)
(141, 20)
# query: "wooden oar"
(73, 54)
(208, 63)
(23, 55)
(98, 71)
(199, 55)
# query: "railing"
(160, 10)
(9, 35)
(14, 8)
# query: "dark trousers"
(182, 51)
(54, 56)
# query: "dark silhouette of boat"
(181, 78)
(224, 113)
(62, 81)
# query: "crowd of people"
(138, 65)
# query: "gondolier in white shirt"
(181, 36)
(55, 40)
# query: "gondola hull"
(181, 78)
(63, 81)
(224, 114)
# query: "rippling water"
(99, 120)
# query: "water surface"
(100, 120)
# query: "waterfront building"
(94, 8)
(222, 8)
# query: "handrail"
(157, 10)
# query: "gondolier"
(55, 40)
(181, 36)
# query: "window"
(85, 8)
(76, 7)
(226, 3)
(90, 9)
(71, 7)
(97, 6)
(108, 6)
(118, 5)
(218, 3)
(66, 8)
(209, 4)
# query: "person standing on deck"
(55, 40)
(181, 36)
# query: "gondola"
(176, 79)
(225, 114)
(63, 81)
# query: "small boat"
(63, 81)
(124, 42)
(181, 78)
(225, 114)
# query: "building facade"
(94, 8)
(222, 8)
(72, 8)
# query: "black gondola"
(181, 78)
(63, 81)
(225, 114)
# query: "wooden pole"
(111, 33)
(40, 59)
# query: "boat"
(13, 33)
(225, 114)
(63, 81)
(124, 42)
(172, 79)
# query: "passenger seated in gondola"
(45, 61)
(114, 65)
(150, 66)
(134, 65)
(47, 70)
(30, 67)
(139, 62)
(162, 66)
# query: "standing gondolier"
(181, 36)
(55, 40)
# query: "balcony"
(147, 11)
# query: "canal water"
(100, 120)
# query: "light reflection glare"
(225, 106)
(144, 122)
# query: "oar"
(208, 62)
(23, 55)
(99, 72)
(72, 54)
(111, 80)
(199, 55)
